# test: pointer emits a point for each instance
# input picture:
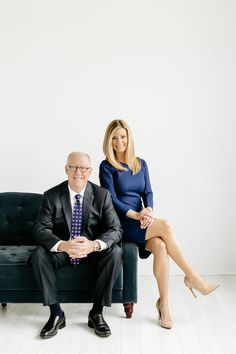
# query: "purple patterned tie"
(76, 225)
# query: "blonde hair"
(131, 160)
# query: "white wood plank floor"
(206, 325)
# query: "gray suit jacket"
(100, 220)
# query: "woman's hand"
(146, 221)
(145, 212)
(147, 218)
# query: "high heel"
(201, 285)
(164, 324)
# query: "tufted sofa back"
(17, 216)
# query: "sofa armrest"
(130, 259)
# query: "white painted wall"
(167, 67)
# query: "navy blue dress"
(128, 191)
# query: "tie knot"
(77, 197)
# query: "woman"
(126, 177)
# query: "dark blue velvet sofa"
(17, 283)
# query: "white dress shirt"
(103, 244)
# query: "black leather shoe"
(51, 327)
(100, 326)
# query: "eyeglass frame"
(75, 168)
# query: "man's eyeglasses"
(82, 169)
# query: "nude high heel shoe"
(202, 286)
(164, 324)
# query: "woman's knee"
(161, 247)
(156, 245)
(166, 227)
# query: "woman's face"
(120, 140)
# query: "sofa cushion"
(16, 272)
(17, 215)
(15, 255)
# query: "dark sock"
(56, 310)
(96, 309)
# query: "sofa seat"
(12, 255)
(16, 274)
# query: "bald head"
(78, 155)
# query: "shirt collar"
(73, 193)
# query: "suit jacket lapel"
(87, 202)
(66, 205)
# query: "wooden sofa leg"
(129, 308)
(4, 305)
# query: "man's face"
(78, 170)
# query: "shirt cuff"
(55, 247)
(102, 244)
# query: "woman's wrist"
(132, 214)
(149, 208)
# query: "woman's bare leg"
(161, 273)
(160, 228)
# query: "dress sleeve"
(147, 195)
(106, 181)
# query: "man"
(71, 214)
